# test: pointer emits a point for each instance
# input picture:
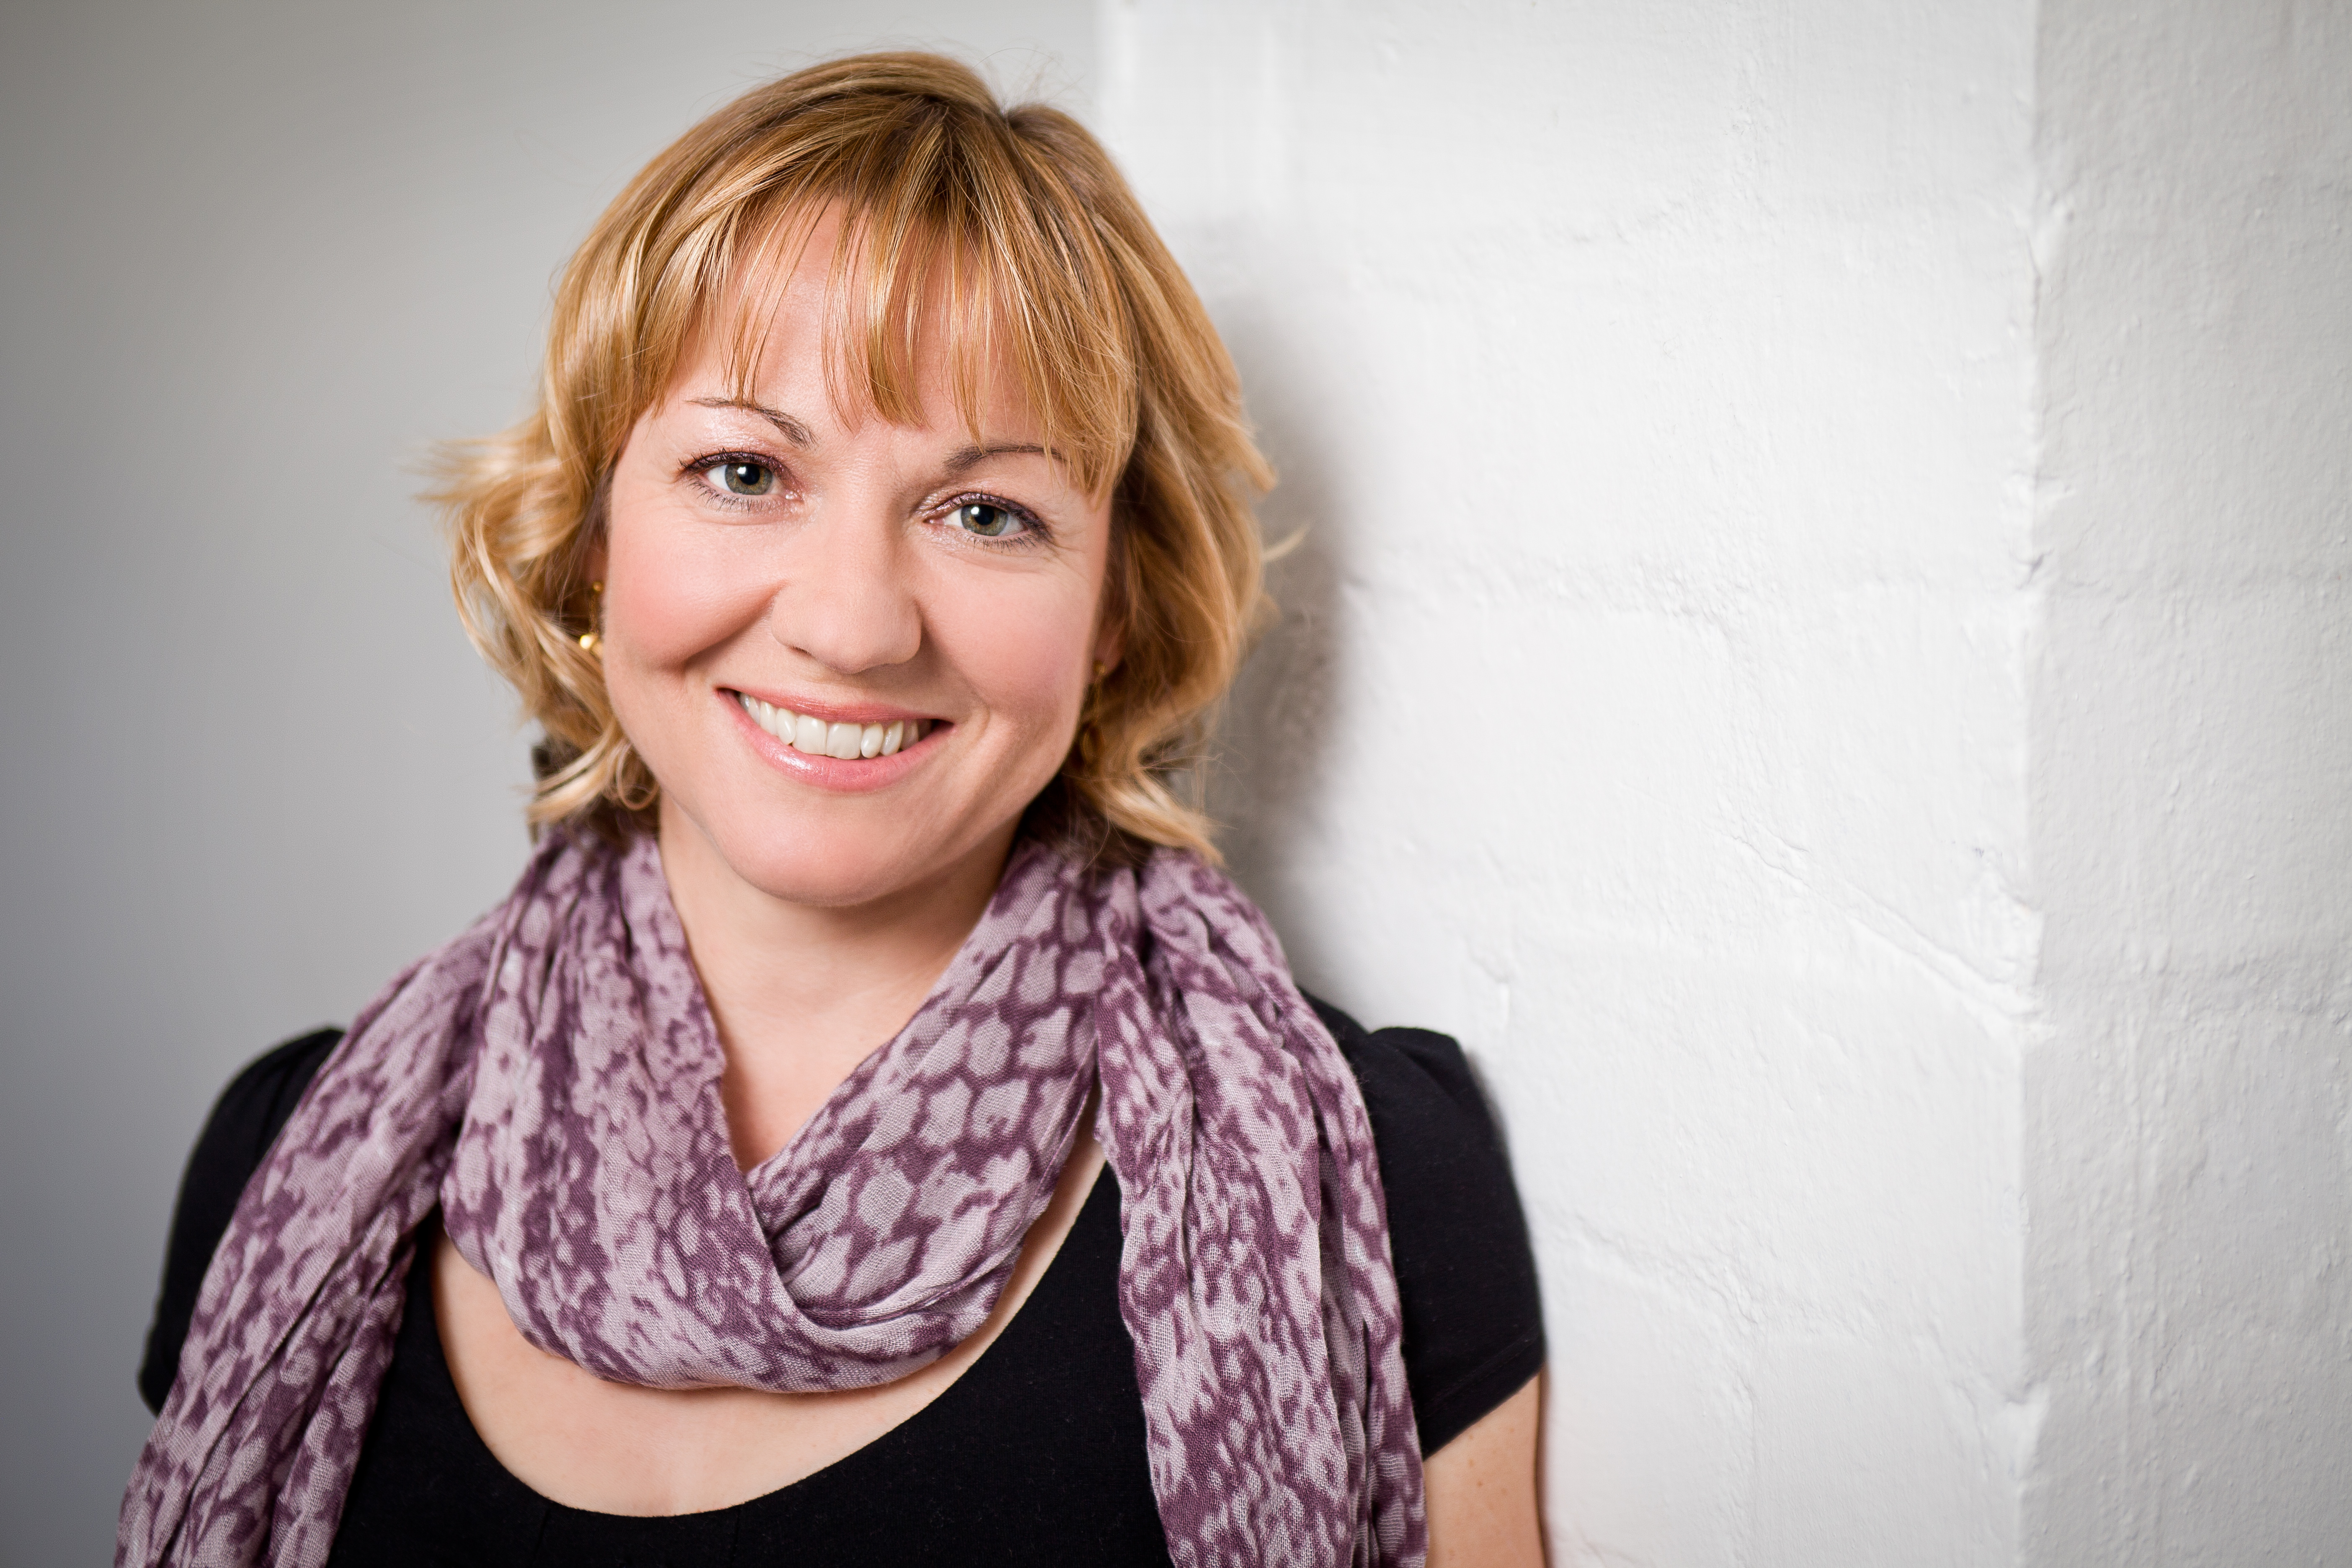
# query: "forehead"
(912, 337)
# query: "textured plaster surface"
(2188, 1162)
(1655, 385)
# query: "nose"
(847, 600)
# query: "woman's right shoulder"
(244, 1122)
(247, 1118)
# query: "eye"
(741, 476)
(988, 519)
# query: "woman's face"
(850, 651)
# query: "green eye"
(745, 479)
(987, 519)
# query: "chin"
(844, 880)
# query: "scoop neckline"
(444, 1387)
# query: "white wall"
(2189, 1164)
(1821, 649)
(1656, 384)
(255, 258)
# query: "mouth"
(816, 737)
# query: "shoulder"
(1465, 1273)
(1418, 1088)
(244, 1122)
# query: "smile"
(805, 732)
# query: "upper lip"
(834, 712)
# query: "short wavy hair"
(1015, 218)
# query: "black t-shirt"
(1035, 1454)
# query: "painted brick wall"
(1654, 385)
(2189, 1090)
(1818, 646)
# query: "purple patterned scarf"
(550, 1080)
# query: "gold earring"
(588, 640)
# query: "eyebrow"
(793, 429)
(961, 459)
(967, 457)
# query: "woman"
(872, 1130)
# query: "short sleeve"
(243, 1123)
(1465, 1273)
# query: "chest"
(619, 1449)
(1035, 1453)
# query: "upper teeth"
(803, 732)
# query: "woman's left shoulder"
(1466, 1272)
(1418, 1087)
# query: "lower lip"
(841, 776)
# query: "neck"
(803, 994)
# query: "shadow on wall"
(1271, 766)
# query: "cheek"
(1027, 661)
(667, 601)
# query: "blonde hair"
(1046, 257)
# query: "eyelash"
(1034, 532)
(701, 469)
